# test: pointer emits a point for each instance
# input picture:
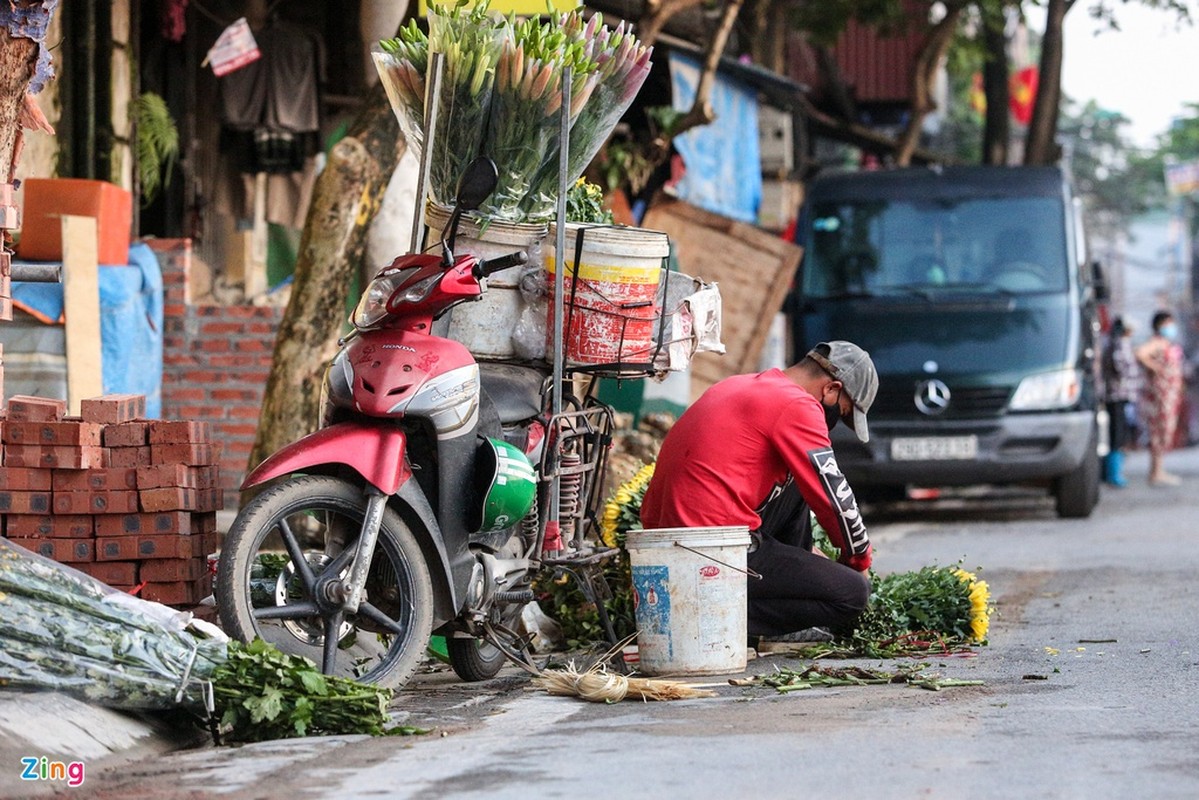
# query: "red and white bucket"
(611, 307)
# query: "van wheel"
(1077, 492)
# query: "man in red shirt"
(754, 450)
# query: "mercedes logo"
(932, 397)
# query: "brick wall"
(216, 360)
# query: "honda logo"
(932, 397)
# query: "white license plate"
(935, 448)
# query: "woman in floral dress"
(1162, 358)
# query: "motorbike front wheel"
(279, 573)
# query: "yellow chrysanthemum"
(627, 498)
(980, 609)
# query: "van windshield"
(1003, 245)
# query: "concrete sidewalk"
(61, 728)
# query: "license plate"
(935, 448)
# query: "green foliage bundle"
(157, 144)
(262, 693)
(931, 609)
(909, 608)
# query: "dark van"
(970, 288)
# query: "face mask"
(832, 413)
(1169, 330)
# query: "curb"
(61, 728)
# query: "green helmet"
(505, 485)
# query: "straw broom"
(600, 686)
(597, 685)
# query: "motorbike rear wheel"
(474, 659)
(284, 553)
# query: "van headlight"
(1048, 391)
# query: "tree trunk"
(17, 59)
(997, 125)
(768, 35)
(1040, 146)
(332, 246)
(923, 74)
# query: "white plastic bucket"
(486, 326)
(612, 310)
(689, 592)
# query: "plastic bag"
(66, 631)
(528, 338)
(691, 321)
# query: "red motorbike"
(434, 492)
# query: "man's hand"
(816, 551)
(859, 561)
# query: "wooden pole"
(81, 309)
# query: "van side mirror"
(1099, 281)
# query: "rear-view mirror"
(477, 183)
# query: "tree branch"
(923, 74)
(701, 112)
(657, 14)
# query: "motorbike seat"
(514, 390)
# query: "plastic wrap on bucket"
(689, 589)
(612, 311)
(486, 327)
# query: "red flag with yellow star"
(1023, 91)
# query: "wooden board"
(753, 268)
(81, 309)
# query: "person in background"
(1121, 380)
(1162, 359)
(754, 450)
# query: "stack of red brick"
(129, 501)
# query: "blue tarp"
(724, 168)
(131, 299)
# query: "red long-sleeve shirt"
(729, 451)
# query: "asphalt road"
(1091, 686)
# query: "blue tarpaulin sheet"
(724, 169)
(131, 299)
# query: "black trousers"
(798, 589)
(1117, 424)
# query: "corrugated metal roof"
(877, 68)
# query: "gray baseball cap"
(851, 365)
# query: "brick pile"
(131, 502)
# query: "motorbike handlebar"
(493, 265)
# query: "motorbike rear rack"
(574, 458)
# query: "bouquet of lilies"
(501, 95)
(471, 42)
(527, 108)
(618, 65)
(402, 64)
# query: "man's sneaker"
(807, 635)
